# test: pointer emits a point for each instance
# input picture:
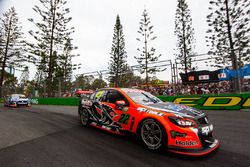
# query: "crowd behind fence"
(62, 89)
(181, 89)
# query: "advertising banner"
(212, 102)
(205, 102)
(68, 101)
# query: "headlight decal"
(182, 122)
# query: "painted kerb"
(206, 102)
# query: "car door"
(120, 115)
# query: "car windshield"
(142, 97)
(20, 96)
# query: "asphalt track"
(50, 136)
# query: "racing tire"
(152, 135)
(84, 117)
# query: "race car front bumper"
(209, 146)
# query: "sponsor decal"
(124, 118)
(191, 78)
(186, 143)
(173, 107)
(99, 94)
(34, 101)
(140, 109)
(203, 77)
(207, 129)
(222, 75)
(194, 111)
(86, 102)
(103, 115)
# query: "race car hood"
(179, 109)
(19, 99)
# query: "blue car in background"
(16, 100)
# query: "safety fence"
(205, 102)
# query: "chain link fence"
(61, 87)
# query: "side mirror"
(120, 104)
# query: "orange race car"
(159, 125)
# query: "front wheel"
(84, 116)
(153, 135)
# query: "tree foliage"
(229, 32)
(84, 82)
(98, 83)
(24, 77)
(52, 50)
(185, 36)
(12, 45)
(118, 63)
(147, 51)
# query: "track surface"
(50, 136)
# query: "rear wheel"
(153, 135)
(84, 116)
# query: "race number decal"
(124, 118)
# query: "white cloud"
(94, 21)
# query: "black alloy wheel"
(84, 116)
(153, 135)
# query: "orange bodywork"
(181, 140)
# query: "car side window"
(92, 97)
(99, 95)
(112, 96)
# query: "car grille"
(203, 120)
(206, 140)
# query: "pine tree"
(229, 33)
(147, 52)
(24, 77)
(12, 45)
(98, 83)
(185, 36)
(83, 82)
(118, 63)
(64, 66)
(51, 36)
